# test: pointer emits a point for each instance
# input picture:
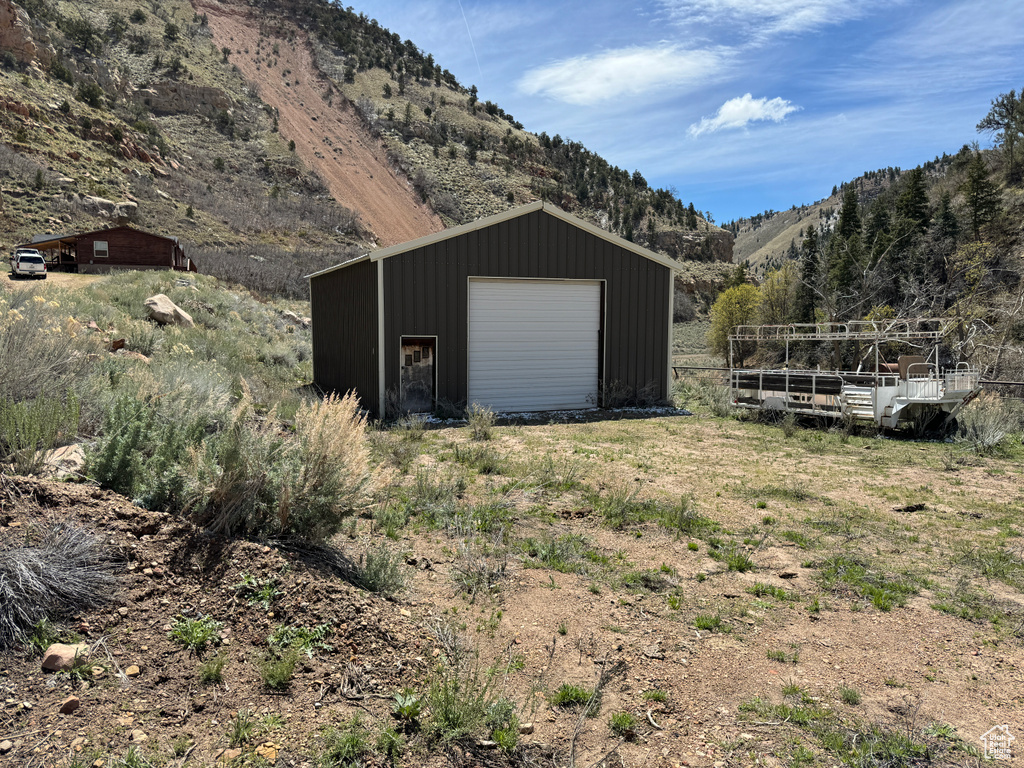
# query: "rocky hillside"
(270, 135)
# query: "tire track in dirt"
(329, 139)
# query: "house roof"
(52, 240)
(488, 221)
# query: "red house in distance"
(107, 249)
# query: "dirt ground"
(62, 279)
(913, 666)
(329, 139)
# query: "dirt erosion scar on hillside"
(329, 139)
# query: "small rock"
(61, 658)
(69, 705)
(788, 575)
(526, 728)
(123, 611)
(405, 613)
(6, 746)
(653, 652)
(484, 744)
(133, 671)
(268, 750)
(138, 736)
(229, 754)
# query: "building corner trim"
(381, 389)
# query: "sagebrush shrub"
(31, 428)
(986, 422)
(255, 478)
(481, 421)
(40, 352)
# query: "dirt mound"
(166, 568)
(329, 137)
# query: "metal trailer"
(878, 391)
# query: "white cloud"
(740, 112)
(591, 79)
(765, 17)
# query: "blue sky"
(737, 105)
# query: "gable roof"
(51, 240)
(489, 221)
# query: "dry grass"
(66, 571)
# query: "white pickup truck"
(28, 262)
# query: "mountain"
(763, 240)
(274, 138)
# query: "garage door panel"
(533, 345)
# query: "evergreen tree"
(946, 225)
(912, 204)
(809, 256)
(981, 195)
(1006, 120)
(849, 216)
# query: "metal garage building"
(528, 310)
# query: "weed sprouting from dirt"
(194, 634)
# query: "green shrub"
(707, 622)
(408, 705)
(623, 725)
(38, 355)
(302, 639)
(987, 421)
(261, 592)
(390, 744)
(195, 634)
(849, 696)
(241, 728)
(346, 745)
(29, 429)
(655, 694)
(91, 94)
(380, 570)
(569, 695)
(459, 699)
(277, 667)
(212, 670)
(141, 453)
(503, 722)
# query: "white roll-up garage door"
(533, 344)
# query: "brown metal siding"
(344, 315)
(128, 249)
(426, 294)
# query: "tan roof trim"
(343, 264)
(497, 218)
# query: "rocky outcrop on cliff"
(711, 245)
(18, 36)
(170, 97)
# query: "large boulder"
(126, 211)
(166, 312)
